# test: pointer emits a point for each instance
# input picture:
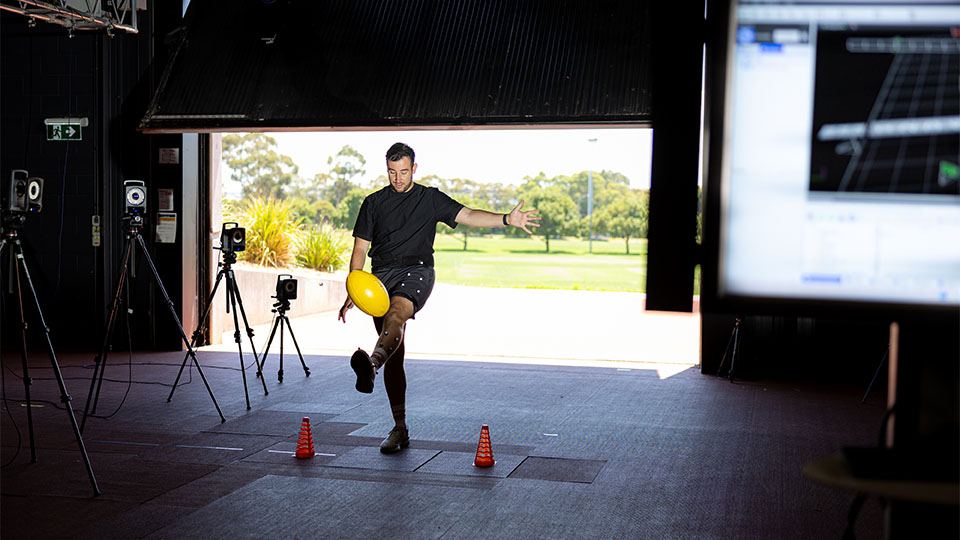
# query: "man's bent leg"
(391, 332)
(390, 329)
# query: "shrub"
(322, 247)
(272, 232)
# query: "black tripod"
(875, 374)
(735, 340)
(233, 299)
(11, 226)
(280, 308)
(132, 224)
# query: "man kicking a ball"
(398, 225)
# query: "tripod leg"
(100, 362)
(306, 370)
(176, 318)
(875, 373)
(27, 382)
(236, 334)
(243, 313)
(280, 371)
(733, 334)
(64, 396)
(196, 334)
(736, 349)
(263, 355)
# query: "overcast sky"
(483, 155)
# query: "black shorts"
(414, 283)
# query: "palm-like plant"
(273, 230)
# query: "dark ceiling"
(261, 65)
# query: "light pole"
(590, 201)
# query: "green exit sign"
(64, 132)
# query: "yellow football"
(368, 293)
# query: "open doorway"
(571, 293)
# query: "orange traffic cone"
(484, 449)
(305, 442)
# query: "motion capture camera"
(23, 193)
(134, 197)
(286, 287)
(232, 237)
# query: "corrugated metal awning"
(257, 65)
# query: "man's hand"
(519, 218)
(347, 304)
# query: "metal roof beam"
(80, 14)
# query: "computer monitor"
(834, 158)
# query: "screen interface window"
(842, 170)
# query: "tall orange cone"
(484, 449)
(305, 442)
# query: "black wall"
(46, 73)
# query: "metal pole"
(590, 207)
(590, 200)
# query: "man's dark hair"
(399, 151)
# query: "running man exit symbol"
(64, 132)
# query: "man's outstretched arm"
(517, 217)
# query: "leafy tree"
(461, 191)
(324, 211)
(300, 207)
(557, 210)
(374, 184)
(344, 167)
(699, 215)
(255, 163)
(626, 217)
(467, 201)
(499, 197)
(309, 188)
(349, 208)
(530, 183)
(577, 186)
(311, 210)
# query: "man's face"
(400, 174)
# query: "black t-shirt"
(403, 225)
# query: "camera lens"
(135, 196)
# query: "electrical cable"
(129, 366)
(3, 391)
(66, 159)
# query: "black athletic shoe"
(397, 440)
(361, 365)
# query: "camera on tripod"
(23, 193)
(232, 237)
(286, 288)
(134, 201)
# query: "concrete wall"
(316, 292)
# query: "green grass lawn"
(496, 261)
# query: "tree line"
(335, 196)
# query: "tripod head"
(228, 258)
(11, 222)
(280, 306)
(132, 223)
